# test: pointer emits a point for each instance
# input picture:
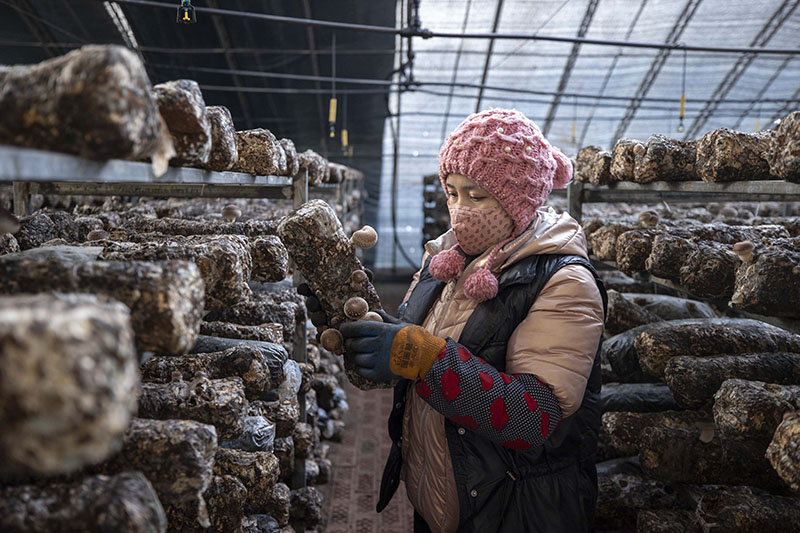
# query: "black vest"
(549, 488)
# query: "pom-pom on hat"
(504, 153)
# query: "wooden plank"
(175, 190)
(22, 199)
(27, 164)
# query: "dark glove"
(383, 352)
(313, 305)
(389, 319)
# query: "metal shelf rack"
(785, 323)
(682, 191)
(33, 171)
(580, 193)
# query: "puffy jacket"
(556, 342)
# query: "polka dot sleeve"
(517, 411)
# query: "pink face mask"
(478, 229)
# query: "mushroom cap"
(639, 149)
(96, 235)
(372, 316)
(649, 217)
(366, 237)
(358, 276)
(728, 212)
(356, 307)
(744, 247)
(332, 340)
(231, 210)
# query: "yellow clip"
(332, 111)
(683, 104)
(344, 138)
(186, 15)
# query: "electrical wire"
(354, 51)
(400, 71)
(610, 71)
(423, 83)
(537, 30)
(427, 34)
(43, 21)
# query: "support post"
(22, 199)
(299, 197)
(575, 199)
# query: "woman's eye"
(452, 195)
(476, 198)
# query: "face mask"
(478, 229)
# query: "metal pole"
(427, 34)
(299, 354)
(22, 199)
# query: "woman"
(496, 412)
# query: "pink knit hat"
(505, 154)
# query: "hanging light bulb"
(332, 117)
(332, 104)
(345, 139)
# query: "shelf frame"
(580, 193)
(788, 324)
(33, 171)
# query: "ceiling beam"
(762, 91)
(609, 72)
(37, 28)
(591, 8)
(446, 118)
(489, 51)
(224, 39)
(250, 38)
(766, 33)
(788, 107)
(655, 67)
(315, 71)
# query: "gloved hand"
(383, 352)
(313, 305)
(389, 319)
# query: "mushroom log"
(316, 242)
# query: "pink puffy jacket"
(556, 342)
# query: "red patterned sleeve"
(517, 411)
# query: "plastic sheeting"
(540, 66)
